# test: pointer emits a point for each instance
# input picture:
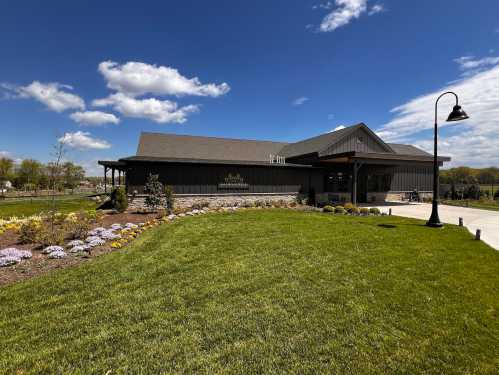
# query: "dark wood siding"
(411, 177)
(359, 141)
(205, 179)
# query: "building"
(351, 164)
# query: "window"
(338, 182)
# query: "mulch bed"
(40, 264)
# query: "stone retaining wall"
(216, 200)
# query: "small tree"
(72, 175)
(169, 201)
(29, 173)
(154, 190)
(119, 199)
(6, 166)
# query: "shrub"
(349, 207)
(472, 191)
(259, 203)
(340, 210)
(119, 200)
(248, 204)
(94, 216)
(77, 227)
(496, 195)
(154, 188)
(292, 204)
(355, 211)
(169, 200)
(48, 236)
(364, 211)
(328, 209)
(374, 211)
(29, 231)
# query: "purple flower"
(75, 243)
(7, 261)
(98, 242)
(15, 253)
(51, 249)
(58, 254)
(80, 248)
(109, 235)
(92, 238)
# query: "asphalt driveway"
(487, 221)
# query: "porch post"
(112, 176)
(354, 182)
(105, 179)
(119, 177)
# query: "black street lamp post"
(457, 114)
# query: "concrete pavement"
(487, 221)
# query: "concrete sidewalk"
(487, 221)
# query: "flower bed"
(108, 233)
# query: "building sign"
(232, 182)
(277, 159)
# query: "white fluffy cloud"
(337, 128)
(94, 118)
(375, 9)
(136, 78)
(471, 65)
(347, 11)
(299, 101)
(83, 141)
(471, 142)
(5, 154)
(161, 111)
(54, 95)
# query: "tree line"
(468, 176)
(33, 175)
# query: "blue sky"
(95, 74)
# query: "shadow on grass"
(387, 226)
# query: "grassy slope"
(265, 292)
(492, 205)
(28, 207)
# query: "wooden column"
(105, 179)
(354, 182)
(112, 176)
(119, 177)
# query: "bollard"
(461, 222)
(478, 234)
(390, 212)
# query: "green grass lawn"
(28, 207)
(265, 292)
(486, 204)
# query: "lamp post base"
(436, 224)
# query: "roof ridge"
(212, 137)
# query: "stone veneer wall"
(216, 200)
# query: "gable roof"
(174, 146)
(323, 141)
(184, 148)
(408, 150)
